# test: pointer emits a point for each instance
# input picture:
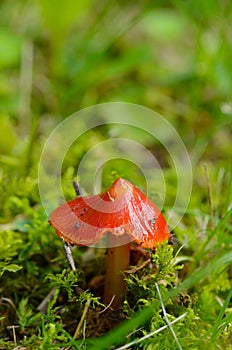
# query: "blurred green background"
(57, 57)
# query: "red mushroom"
(123, 214)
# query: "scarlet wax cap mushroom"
(123, 210)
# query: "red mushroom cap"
(122, 210)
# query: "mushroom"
(121, 215)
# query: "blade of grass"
(219, 318)
(220, 226)
(166, 318)
(228, 202)
(209, 196)
(126, 346)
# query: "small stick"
(137, 268)
(69, 256)
(14, 334)
(107, 307)
(77, 188)
(86, 308)
(9, 301)
(82, 321)
(43, 306)
(210, 197)
(166, 318)
(67, 248)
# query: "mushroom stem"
(69, 256)
(118, 260)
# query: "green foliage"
(66, 281)
(18, 194)
(26, 315)
(142, 291)
(6, 266)
(87, 296)
(141, 284)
